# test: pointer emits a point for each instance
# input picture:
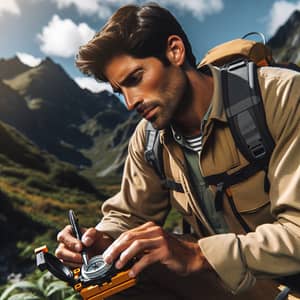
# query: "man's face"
(154, 90)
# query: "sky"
(35, 29)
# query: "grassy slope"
(36, 191)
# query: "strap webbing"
(224, 180)
(154, 156)
(245, 111)
(153, 152)
(247, 122)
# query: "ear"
(175, 51)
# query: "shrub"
(39, 183)
(45, 287)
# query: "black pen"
(77, 233)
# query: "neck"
(195, 103)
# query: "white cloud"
(28, 59)
(93, 85)
(9, 6)
(104, 8)
(88, 7)
(63, 37)
(280, 12)
(199, 8)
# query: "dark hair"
(139, 31)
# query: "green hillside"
(36, 192)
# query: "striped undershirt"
(194, 143)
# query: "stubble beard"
(170, 106)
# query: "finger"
(145, 261)
(136, 248)
(65, 237)
(149, 232)
(89, 237)
(67, 255)
(114, 250)
(143, 226)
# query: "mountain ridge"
(11, 67)
(285, 43)
(58, 109)
(78, 126)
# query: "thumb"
(89, 237)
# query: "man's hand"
(151, 244)
(69, 247)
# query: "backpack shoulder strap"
(153, 151)
(247, 122)
(154, 156)
(245, 111)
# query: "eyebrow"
(125, 81)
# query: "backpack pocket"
(251, 202)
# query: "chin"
(159, 124)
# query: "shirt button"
(178, 137)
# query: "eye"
(134, 78)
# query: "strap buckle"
(258, 150)
(172, 185)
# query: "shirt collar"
(216, 108)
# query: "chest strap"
(223, 180)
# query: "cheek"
(164, 83)
(174, 84)
(156, 80)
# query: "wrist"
(199, 262)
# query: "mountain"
(57, 115)
(90, 131)
(13, 109)
(10, 68)
(112, 142)
(285, 44)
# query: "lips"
(146, 110)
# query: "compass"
(95, 268)
(95, 279)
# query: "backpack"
(238, 60)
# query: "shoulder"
(270, 76)
(280, 90)
(278, 83)
(138, 139)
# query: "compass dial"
(95, 268)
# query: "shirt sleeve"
(141, 197)
(272, 250)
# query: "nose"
(131, 100)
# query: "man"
(145, 55)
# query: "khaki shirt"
(273, 248)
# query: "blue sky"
(34, 29)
